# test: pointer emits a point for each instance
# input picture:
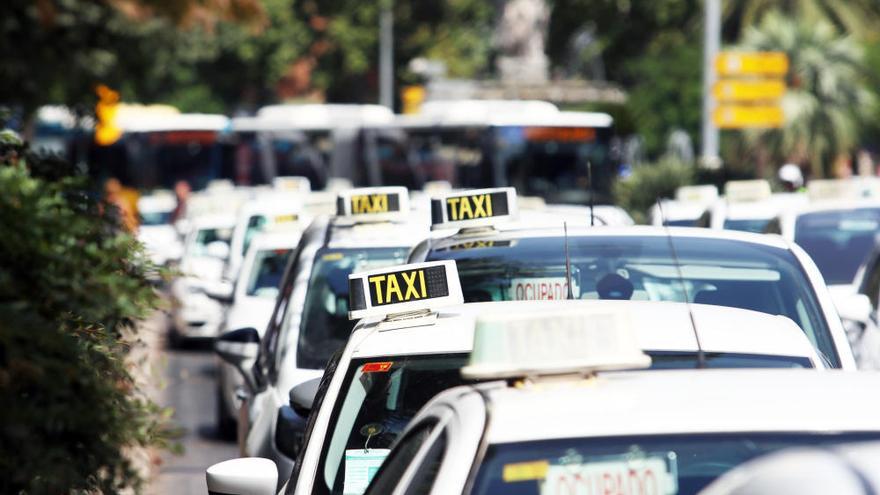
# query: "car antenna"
(701, 356)
(570, 294)
(592, 192)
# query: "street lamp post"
(711, 44)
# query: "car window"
(838, 241)
(429, 467)
(682, 464)
(756, 225)
(713, 271)
(871, 285)
(320, 394)
(377, 400)
(203, 237)
(255, 225)
(268, 268)
(324, 326)
(392, 470)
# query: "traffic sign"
(751, 64)
(748, 90)
(748, 116)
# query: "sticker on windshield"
(286, 218)
(360, 467)
(541, 289)
(623, 475)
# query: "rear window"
(838, 241)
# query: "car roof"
(660, 326)
(688, 401)
(512, 232)
(276, 240)
(213, 221)
(378, 234)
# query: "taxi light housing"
(696, 194)
(843, 189)
(474, 208)
(548, 342)
(404, 289)
(373, 204)
(746, 191)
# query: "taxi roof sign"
(473, 208)
(852, 189)
(554, 342)
(292, 184)
(696, 194)
(373, 204)
(746, 191)
(403, 289)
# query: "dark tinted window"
(838, 241)
(756, 225)
(268, 269)
(683, 463)
(398, 461)
(715, 271)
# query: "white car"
(156, 232)
(498, 260)
(749, 206)
(271, 211)
(194, 313)
(689, 205)
(250, 306)
(419, 357)
(559, 405)
(310, 319)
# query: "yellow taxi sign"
(751, 64)
(748, 116)
(292, 184)
(473, 208)
(404, 288)
(373, 203)
(748, 90)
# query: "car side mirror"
(239, 348)
(854, 307)
(290, 431)
(244, 476)
(303, 395)
(221, 290)
(217, 249)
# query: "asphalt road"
(188, 377)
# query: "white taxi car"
(194, 313)
(499, 260)
(271, 211)
(561, 422)
(837, 229)
(689, 205)
(250, 306)
(158, 235)
(748, 206)
(407, 345)
(373, 228)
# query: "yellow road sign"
(747, 116)
(748, 90)
(751, 64)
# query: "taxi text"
(469, 207)
(369, 203)
(398, 287)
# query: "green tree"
(828, 96)
(71, 286)
(858, 17)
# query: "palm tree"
(857, 17)
(827, 97)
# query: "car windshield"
(714, 271)
(838, 241)
(267, 272)
(756, 225)
(379, 397)
(667, 464)
(150, 218)
(254, 226)
(683, 222)
(325, 325)
(207, 236)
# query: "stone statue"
(519, 39)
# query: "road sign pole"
(386, 55)
(711, 44)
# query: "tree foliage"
(71, 285)
(828, 97)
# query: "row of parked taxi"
(384, 341)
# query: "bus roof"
(169, 121)
(500, 113)
(312, 116)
